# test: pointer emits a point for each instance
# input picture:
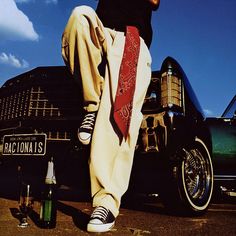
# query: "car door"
(223, 131)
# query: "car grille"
(58, 135)
(40, 97)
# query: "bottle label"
(47, 213)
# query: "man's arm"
(154, 3)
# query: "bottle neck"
(50, 177)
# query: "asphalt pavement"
(148, 217)
(145, 215)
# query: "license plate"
(24, 144)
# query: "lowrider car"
(223, 135)
(40, 113)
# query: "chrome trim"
(224, 177)
(12, 128)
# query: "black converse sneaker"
(101, 220)
(86, 128)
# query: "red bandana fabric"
(127, 77)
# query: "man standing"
(107, 51)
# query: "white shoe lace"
(100, 213)
(88, 121)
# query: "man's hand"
(154, 3)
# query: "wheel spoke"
(196, 173)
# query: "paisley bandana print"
(127, 77)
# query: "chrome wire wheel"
(197, 175)
(188, 186)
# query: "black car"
(41, 111)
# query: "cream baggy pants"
(85, 42)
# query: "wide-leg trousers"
(85, 44)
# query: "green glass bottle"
(48, 211)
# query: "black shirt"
(117, 14)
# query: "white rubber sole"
(99, 228)
(83, 139)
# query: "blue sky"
(199, 34)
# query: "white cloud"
(51, 1)
(45, 1)
(22, 1)
(14, 24)
(13, 61)
(208, 112)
